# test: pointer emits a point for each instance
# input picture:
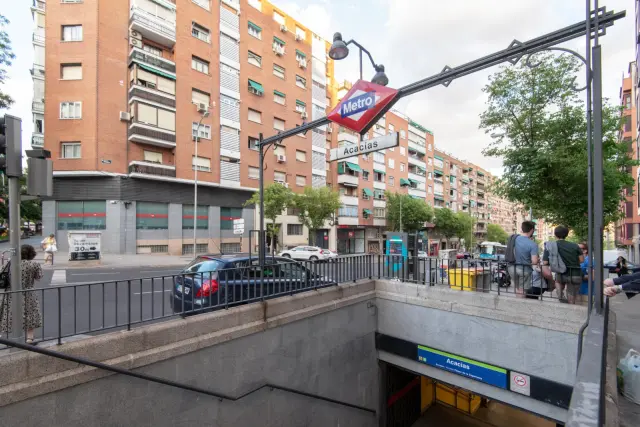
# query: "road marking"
(94, 274)
(59, 278)
(159, 271)
(156, 292)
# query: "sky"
(414, 39)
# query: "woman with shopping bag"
(50, 247)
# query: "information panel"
(462, 366)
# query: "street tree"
(495, 233)
(465, 227)
(277, 198)
(6, 57)
(315, 206)
(539, 125)
(447, 223)
(30, 210)
(415, 212)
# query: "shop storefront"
(351, 241)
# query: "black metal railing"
(95, 307)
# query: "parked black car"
(215, 281)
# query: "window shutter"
(147, 114)
(167, 119)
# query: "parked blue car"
(217, 281)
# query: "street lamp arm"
(362, 48)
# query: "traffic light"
(11, 146)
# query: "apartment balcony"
(151, 135)
(416, 192)
(438, 179)
(138, 55)
(344, 136)
(38, 6)
(379, 185)
(347, 220)
(37, 140)
(348, 200)
(379, 203)
(153, 27)
(348, 180)
(413, 146)
(37, 72)
(37, 107)
(148, 94)
(416, 177)
(148, 168)
(417, 161)
(38, 36)
(379, 222)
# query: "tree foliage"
(6, 57)
(495, 233)
(415, 212)
(316, 205)
(30, 210)
(446, 223)
(277, 198)
(541, 126)
(465, 227)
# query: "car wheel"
(286, 255)
(313, 258)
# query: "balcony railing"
(145, 134)
(140, 55)
(37, 106)
(153, 27)
(38, 5)
(149, 168)
(152, 95)
(37, 140)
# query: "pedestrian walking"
(30, 271)
(50, 246)
(564, 258)
(521, 255)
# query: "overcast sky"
(414, 39)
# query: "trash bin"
(469, 279)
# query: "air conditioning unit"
(124, 116)
(298, 37)
(278, 49)
(283, 28)
(135, 42)
(304, 115)
(302, 63)
(282, 158)
(133, 34)
(202, 107)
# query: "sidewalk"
(61, 261)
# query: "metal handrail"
(170, 383)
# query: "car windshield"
(201, 265)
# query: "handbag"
(51, 248)
(5, 277)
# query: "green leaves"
(495, 233)
(415, 212)
(277, 198)
(316, 205)
(6, 56)
(541, 126)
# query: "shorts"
(520, 276)
(573, 283)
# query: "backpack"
(510, 255)
(555, 260)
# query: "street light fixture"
(340, 50)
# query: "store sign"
(459, 365)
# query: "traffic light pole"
(17, 330)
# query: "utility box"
(40, 177)
(84, 245)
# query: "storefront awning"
(353, 167)
(367, 192)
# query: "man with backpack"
(521, 255)
(564, 259)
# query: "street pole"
(195, 185)
(14, 239)
(261, 240)
(401, 197)
(589, 161)
(598, 197)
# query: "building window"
(379, 213)
(71, 150)
(300, 33)
(201, 163)
(391, 181)
(200, 65)
(278, 71)
(403, 134)
(71, 71)
(403, 151)
(391, 163)
(429, 147)
(280, 177)
(278, 18)
(152, 50)
(255, 59)
(301, 82)
(279, 97)
(300, 56)
(253, 143)
(88, 215)
(626, 120)
(199, 97)
(365, 175)
(152, 216)
(152, 157)
(627, 101)
(301, 156)
(254, 173)
(72, 33)
(378, 157)
(200, 32)
(154, 81)
(227, 215)
(301, 107)
(71, 110)
(392, 129)
(202, 217)
(378, 177)
(278, 124)
(255, 30)
(205, 131)
(255, 116)
(294, 229)
(348, 210)
(255, 88)
(301, 181)
(163, 119)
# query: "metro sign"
(361, 105)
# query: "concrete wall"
(320, 342)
